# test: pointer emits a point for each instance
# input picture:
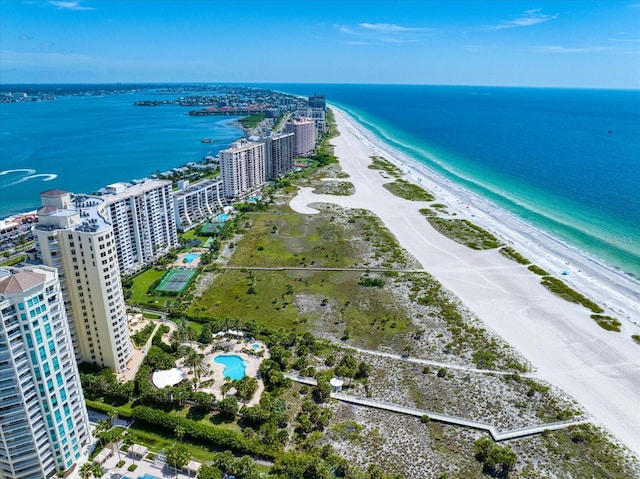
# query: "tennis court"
(211, 228)
(176, 281)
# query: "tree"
(179, 432)
(86, 471)
(246, 387)
(228, 407)
(321, 391)
(177, 457)
(98, 471)
(115, 436)
(209, 472)
(496, 460)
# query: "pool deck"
(194, 263)
(145, 466)
(238, 347)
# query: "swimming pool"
(255, 346)
(234, 366)
(189, 257)
(222, 217)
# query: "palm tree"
(179, 432)
(86, 471)
(112, 415)
(116, 436)
(98, 470)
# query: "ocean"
(566, 161)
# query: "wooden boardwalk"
(446, 418)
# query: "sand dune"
(600, 369)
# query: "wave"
(29, 171)
(30, 176)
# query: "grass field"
(142, 283)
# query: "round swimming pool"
(255, 346)
(234, 366)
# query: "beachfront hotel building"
(74, 236)
(44, 425)
(304, 130)
(143, 221)
(242, 167)
(279, 154)
(196, 203)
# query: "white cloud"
(69, 5)
(527, 19)
(370, 33)
(388, 27)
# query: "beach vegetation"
(338, 188)
(561, 289)
(408, 191)
(464, 232)
(607, 322)
(251, 121)
(440, 207)
(429, 213)
(636, 338)
(537, 270)
(512, 254)
(379, 163)
(496, 460)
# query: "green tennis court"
(176, 281)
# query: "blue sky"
(517, 43)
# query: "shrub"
(607, 322)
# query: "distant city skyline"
(592, 44)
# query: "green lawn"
(142, 283)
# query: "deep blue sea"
(567, 161)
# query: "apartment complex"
(74, 236)
(143, 221)
(305, 134)
(43, 419)
(279, 154)
(242, 167)
(195, 203)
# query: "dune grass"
(565, 292)
(512, 254)
(464, 232)
(409, 191)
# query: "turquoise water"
(222, 217)
(234, 366)
(255, 346)
(566, 161)
(82, 143)
(189, 257)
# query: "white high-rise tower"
(43, 419)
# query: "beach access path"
(600, 369)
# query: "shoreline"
(600, 369)
(587, 273)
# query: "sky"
(542, 43)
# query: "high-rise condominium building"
(74, 236)
(43, 419)
(318, 101)
(279, 154)
(305, 134)
(195, 203)
(143, 222)
(242, 167)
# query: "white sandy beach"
(600, 369)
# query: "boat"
(207, 140)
